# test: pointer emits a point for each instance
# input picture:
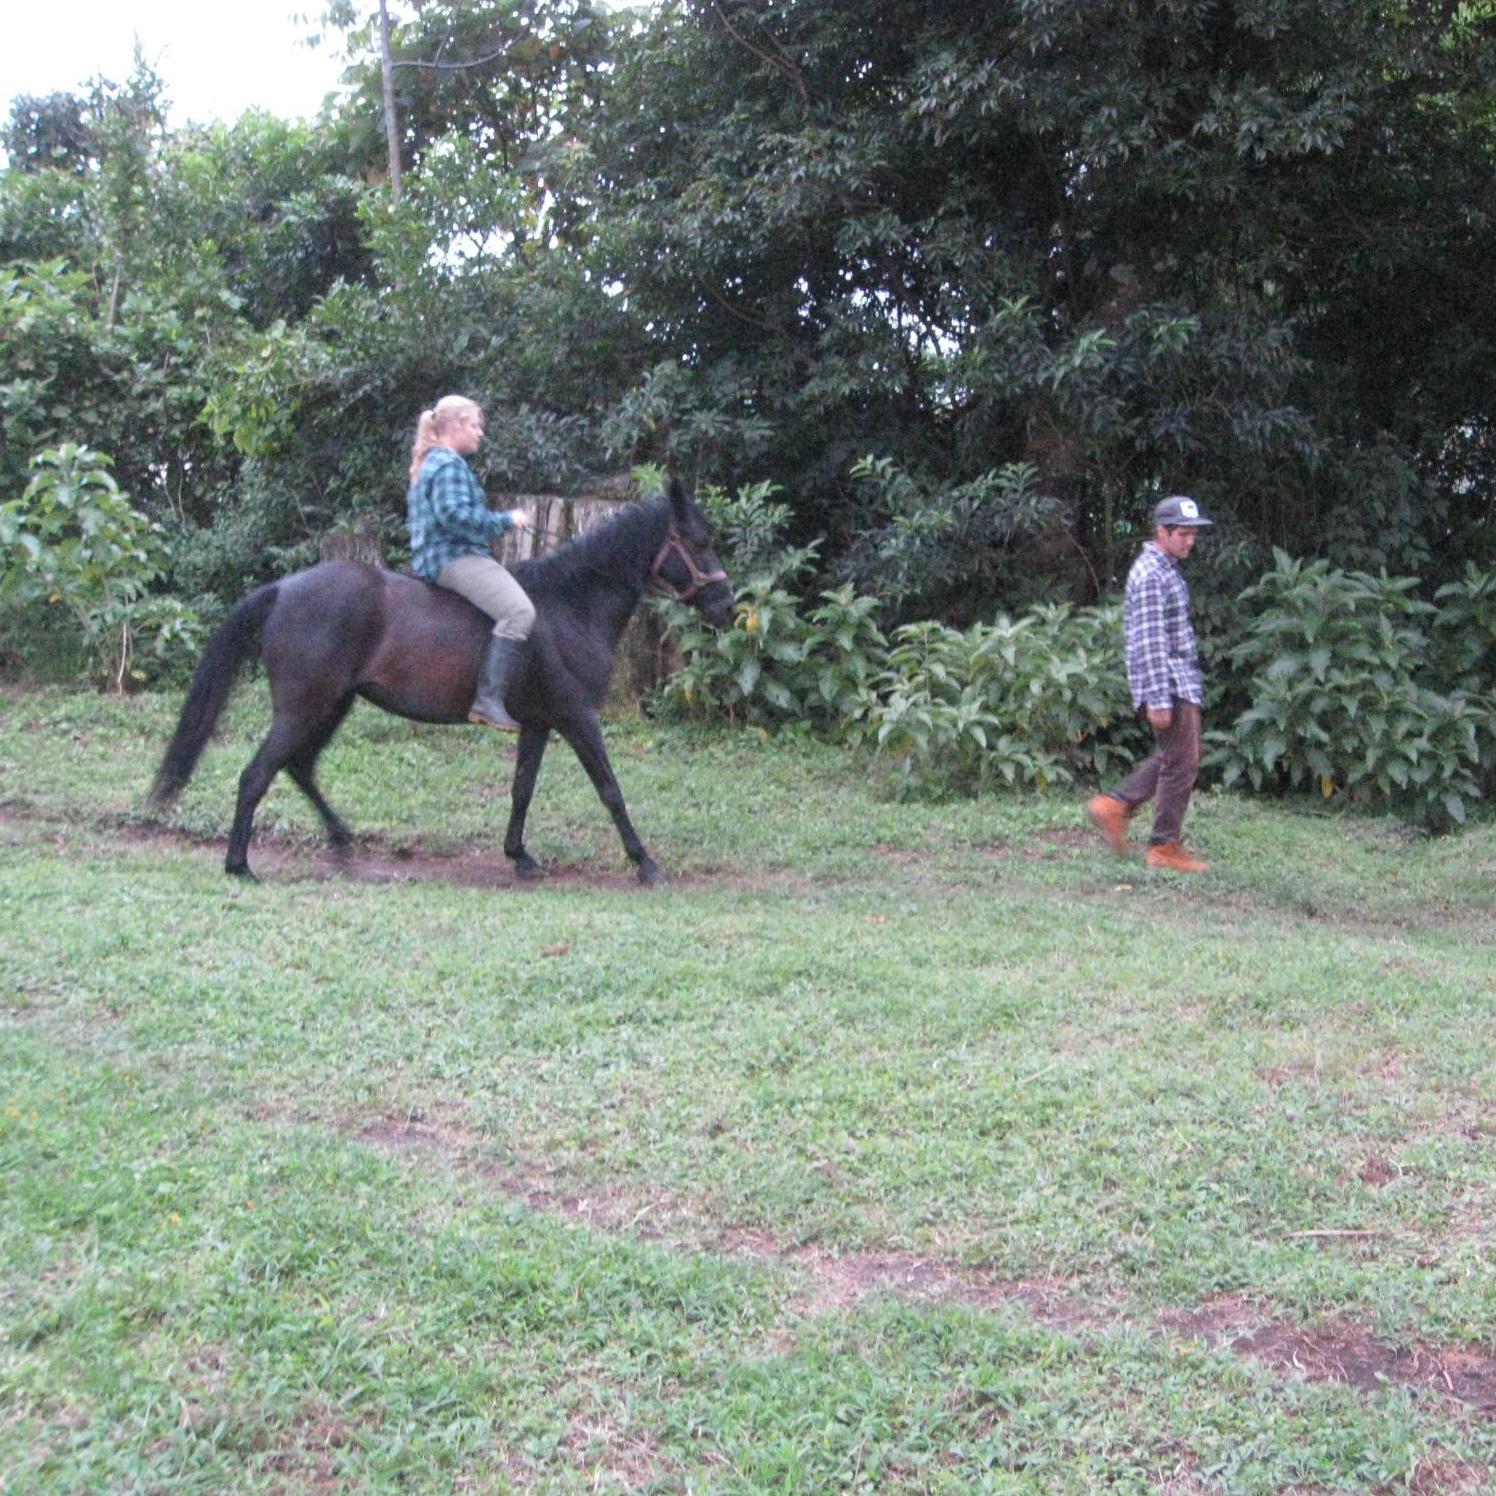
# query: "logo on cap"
(1189, 509)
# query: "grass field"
(888, 1148)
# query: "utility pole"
(391, 124)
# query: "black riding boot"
(493, 680)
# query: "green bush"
(1341, 681)
(1348, 693)
(1464, 654)
(1036, 701)
(73, 542)
(1464, 632)
(779, 664)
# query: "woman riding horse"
(451, 531)
(344, 630)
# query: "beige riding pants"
(484, 583)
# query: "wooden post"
(645, 656)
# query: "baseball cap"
(1180, 510)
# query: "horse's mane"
(618, 550)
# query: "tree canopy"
(972, 286)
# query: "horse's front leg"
(532, 741)
(586, 737)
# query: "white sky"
(216, 59)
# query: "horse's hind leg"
(302, 766)
(586, 738)
(532, 741)
(280, 744)
(292, 742)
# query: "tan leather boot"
(1172, 856)
(1110, 816)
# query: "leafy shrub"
(1464, 631)
(72, 540)
(1337, 665)
(1035, 701)
(748, 524)
(779, 663)
(1464, 653)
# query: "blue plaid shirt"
(1163, 661)
(448, 515)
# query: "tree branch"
(454, 67)
(732, 311)
(781, 63)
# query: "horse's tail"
(212, 681)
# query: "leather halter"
(699, 578)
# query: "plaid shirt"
(448, 515)
(1162, 659)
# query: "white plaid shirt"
(1163, 661)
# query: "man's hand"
(1160, 718)
(520, 518)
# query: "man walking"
(1163, 669)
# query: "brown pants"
(1167, 776)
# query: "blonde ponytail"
(431, 425)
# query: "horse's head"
(687, 566)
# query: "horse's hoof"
(651, 874)
(243, 874)
(526, 866)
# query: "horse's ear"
(677, 496)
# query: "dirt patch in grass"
(418, 1133)
(1446, 1476)
(832, 1282)
(1051, 842)
(1339, 1352)
(835, 1282)
(838, 1282)
(278, 858)
(1350, 1355)
(899, 856)
(613, 1457)
(1376, 1171)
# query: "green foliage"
(1391, 518)
(73, 540)
(1337, 665)
(49, 337)
(1463, 655)
(954, 550)
(73, 530)
(780, 663)
(748, 525)
(1126, 247)
(1031, 702)
(1464, 631)
(966, 289)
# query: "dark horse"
(344, 629)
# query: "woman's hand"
(520, 518)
